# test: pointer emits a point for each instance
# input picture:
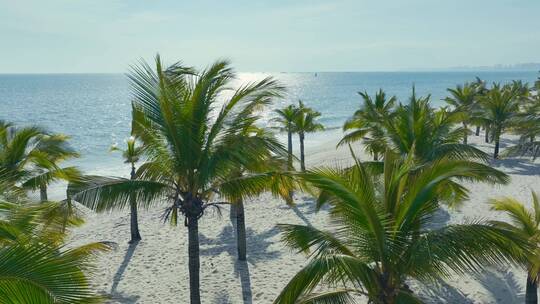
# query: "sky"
(82, 36)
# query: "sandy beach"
(155, 270)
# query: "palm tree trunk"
(531, 291)
(43, 192)
(193, 257)
(375, 156)
(134, 218)
(532, 138)
(496, 152)
(486, 138)
(289, 148)
(290, 156)
(302, 156)
(134, 227)
(69, 205)
(477, 131)
(241, 230)
(466, 133)
(232, 212)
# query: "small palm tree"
(31, 156)
(305, 122)
(286, 117)
(367, 123)
(527, 224)
(381, 237)
(528, 126)
(190, 148)
(500, 111)
(430, 134)
(521, 90)
(476, 111)
(131, 156)
(463, 100)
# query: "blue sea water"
(94, 109)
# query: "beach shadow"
(301, 215)
(306, 205)
(442, 292)
(119, 297)
(120, 272)
(439, 219)
(506, 142)
(257, 244)
(502, 285)
(221, 297)
(241, 269)
(519, 166)
(257, 250)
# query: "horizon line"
(426, 70)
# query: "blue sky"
(278, 35)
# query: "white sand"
(155, 271)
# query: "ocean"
(94, 109)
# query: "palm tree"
(286, 117)
(305, 122)
(430, 134)
(252, 185)
(269, 162)
(367, 123)
(527, 123)
(32, 156)
(381, 236)
(500, 110)
(527, 224)
(463, 100)
(190, 148)
(34, 265)
(131, 155)
(481, 90)
(521, 90)
(528, 127)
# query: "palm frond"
(342, 296)
(107, 193)
(42, 274)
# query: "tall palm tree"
(132, 155)
(32, 156)
(481, 90)
(428, 133)
(380, 237)
(271, 161)
(367, 123)
(527, 224)
(500, 110)
(528, 127)
(463, 99)
(305, 122)
(252, 185)
(190, 147)
(286, 117)
(34, 265)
